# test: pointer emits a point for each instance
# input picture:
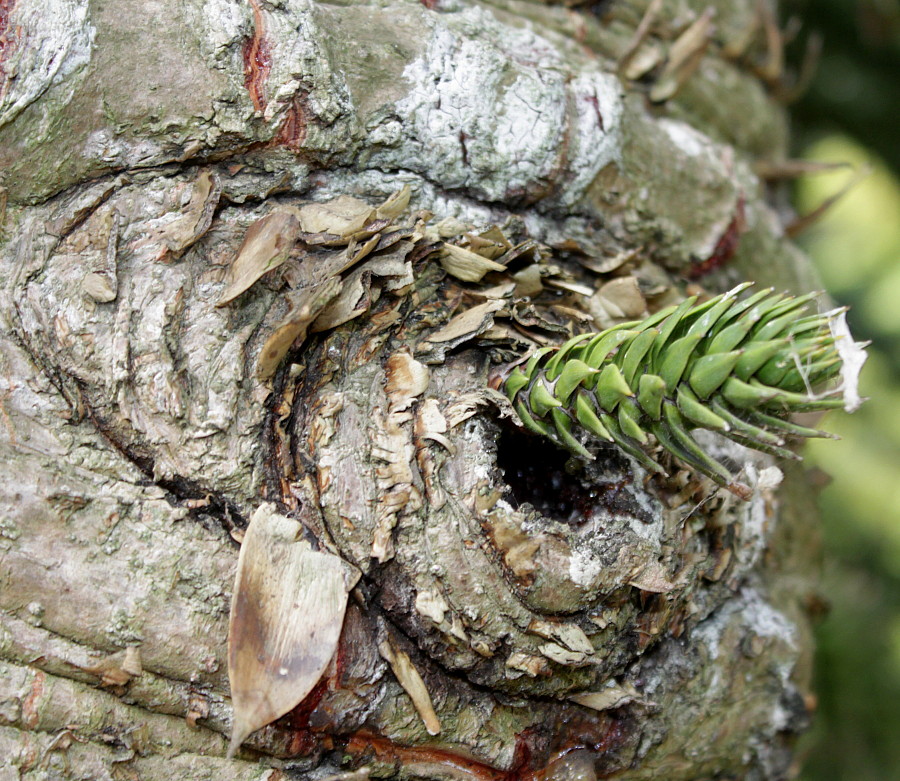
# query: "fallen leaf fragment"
(411, 681)
(353, 300)
(652, 578)
(621, 298)
(569, 635)
(564, 656)
(287, 611)
(613, 695)
(266, 246)
(118, 668)
(395, 205)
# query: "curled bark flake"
(467, 265)
(307, 304)
(405, 378)
(196, 218)
(101, 283)
(266, 246)
(412, 683)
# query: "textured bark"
(637, 629)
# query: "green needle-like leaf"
(651, 390)
(737, 366)
(710, 371)
(611, 387)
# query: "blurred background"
(850, 114)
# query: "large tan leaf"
(286, 616)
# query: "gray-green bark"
(658, 637)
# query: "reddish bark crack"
(8, 40)
(30, 714)
(292, 132)
(257, 60)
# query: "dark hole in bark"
(546, 477)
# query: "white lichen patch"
(584, 567)
(687, 139)
(487, 111)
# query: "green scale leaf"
(737, 366)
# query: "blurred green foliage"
(850, 115)
(857, 249)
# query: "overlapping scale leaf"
(738, 366)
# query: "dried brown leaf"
(568, 634)
(613, 695)
(468, 324)
(266, 245)
(118, 668)
(287, 611)
(490, 244)
(621, 298)
(354, 299)
(563, 656)
(653, 578)
(528, 281)
(606, 264)
(395, 205)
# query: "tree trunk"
(184, 339)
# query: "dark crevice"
(546, 477)
(202, 504)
